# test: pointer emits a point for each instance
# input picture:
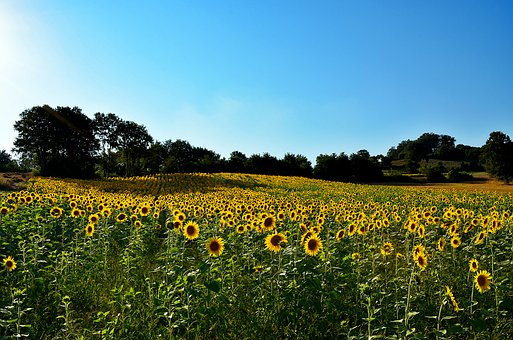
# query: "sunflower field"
(249, 256)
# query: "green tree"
(237, 162)
(364, 168)
(497, 156)
(296, 165)
(105, 128)
(333, 167)
(61, 141)
(132, 141)
(6, 162)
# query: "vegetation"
(63, 142)
(497, 156)
(245, 256)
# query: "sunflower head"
(387, 248)
(274, 242)
(94, 218)
(313, 245)
(421, 260)
(473, 265)
(441, 244)
(480, 237)
(215, 246)
(483, 280)
(89, 229)
(121, 217)
(191, 230)
(268, 223)
(9, 263)
(455, 241)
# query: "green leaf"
(214, 285)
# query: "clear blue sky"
(306, 77)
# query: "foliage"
(433, 173)
(456, 175)
(6, 162)
(497, 156)
(434, 146)
(60, 140)
(385, 262)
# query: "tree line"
(64, 142)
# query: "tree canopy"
(497, 156)
(60, 140)
(64, 142)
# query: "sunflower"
(480, 237)
(351, 229)
(340, 234)
(355, 256)
(412, 227)
(483, 279)
(274, 241)
(215, 246)
(9, 264)
(303, 227)
(121, 217)
(419, 249)
(56, 212)
(241, 229)
(362, 230)
(144, 210)
(313, 245)
(421, 231)
(75, 213)
(306, 236)
(421, 260)
(137, 224)
(179, 216)
(4, 210)
(387, 248)
(455, 241)
(94, 218)
(191, 230)
(89, 229)
(453, 300)
(268, 223)
(473, 265)
(441, 244)
(177, 226)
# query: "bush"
(456, 175)
(433, 173)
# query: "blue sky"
(306, 77)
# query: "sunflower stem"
(406, 310)
(472, 300)
(439, 317)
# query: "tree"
(61, 141)
(296, 165)
(105, 127)
(497, 156)
(364, 168)
(237, 162)
(6, 162)
(263, 164)
(132, 141)
(333, 167)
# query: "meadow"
(252, 256)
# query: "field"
(248, 256)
